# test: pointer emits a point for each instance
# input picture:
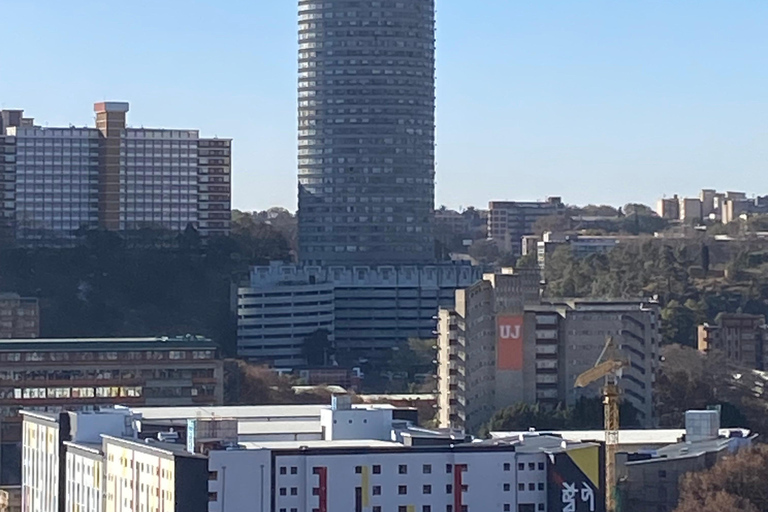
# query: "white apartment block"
(368, 461)
(84, 487)
(69, 180)
(369, 310)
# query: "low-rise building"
(738, 336)
(650, 462)
(53, 375)
(649, 480)
(366, 461)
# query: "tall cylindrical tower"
(366, 131)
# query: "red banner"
(509, 342)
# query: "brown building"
(19, 316)
(740, 337)
(51, 375)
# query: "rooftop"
(118, 343)
(320, 444)
(651, 437)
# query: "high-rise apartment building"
(510, 221)
(59, 182)
(366, 131)
(493, 352)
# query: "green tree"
(318, 348)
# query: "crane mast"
(608, 367)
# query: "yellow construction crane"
(608, 366)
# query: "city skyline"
(670, 93)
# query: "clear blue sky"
(599, 101)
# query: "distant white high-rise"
(366, 131)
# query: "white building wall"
(240, 480)
(388, 480)
(40, 468)
(84, 485)
(356, 424)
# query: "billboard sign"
(509, 342)
(575, 481)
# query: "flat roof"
(626, 437)
(264, 412)
(536, 443)
(150, 445)
(117, 343)
(321, 444)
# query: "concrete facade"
(373, 308)
(366, 132)
(740, 337)
(558, 340)
(468, 378)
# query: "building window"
(294, 491)
(465, 508)
(531, 487)
(520, 487)
(283, 470)
(507, 466)
(402, 489)
(449, 508)
(294, 470)
(448, 489)
(402, 508)
(521, 467)
(358, 470)
(213, 475)
(212, 496)
(426, 489)
(315, 491)
(426, 469)
(448, 468)
(507, 487)
(541, 466)
(531, 466)
(377, 490)
(507, 507)
(540, 506)
(376, 508)
(426, 508)
(376, 469)
(402, 469)
(283, 491)
(541, 486)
